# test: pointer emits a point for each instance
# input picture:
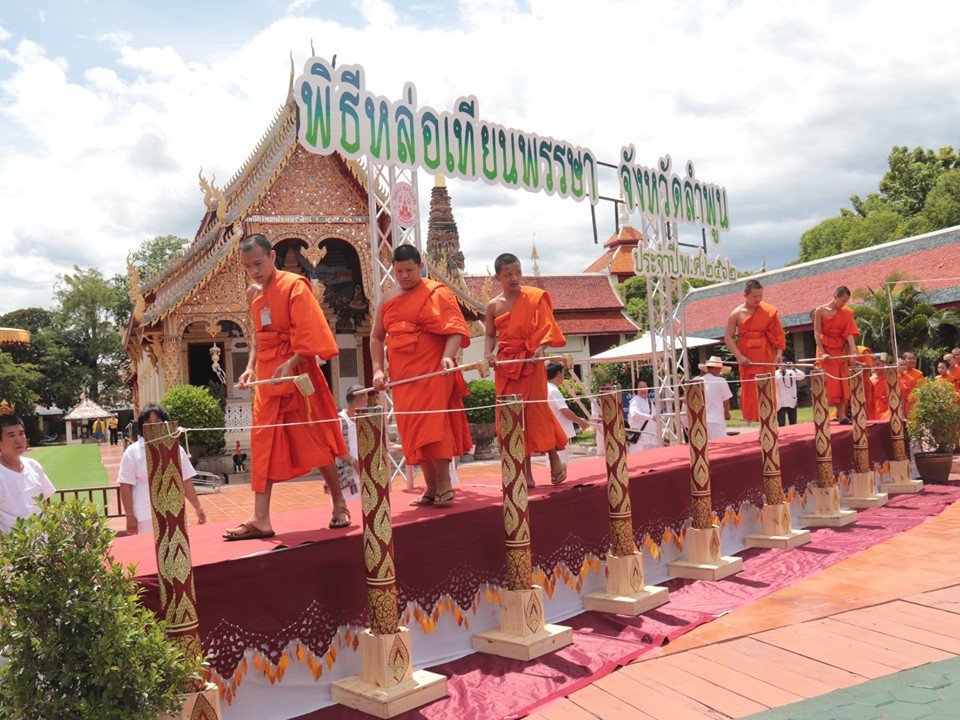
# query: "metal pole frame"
(665, 317)
(386, 233)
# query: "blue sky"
(109, 109)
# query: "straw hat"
(713, 362)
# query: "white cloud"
(5, 34)
(793, 108)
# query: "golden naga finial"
(485, 288)
(209, 193)
(137, 302)
(213, 196)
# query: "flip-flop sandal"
(445, 499)
(334, 525)
(557, 478)
(424, 500)
(251, 532)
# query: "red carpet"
(483, 687)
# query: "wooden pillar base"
(522, 635)
(205, 703)
(863, 492)
(704, 561)
(776, 531)
(826, 509)
(626, 592)
(900, 481)
(387, 684)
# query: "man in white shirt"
(22, 480)
(348, 468)
(643, 418)
(787, 378)
(135, 485)
(716, 395)
(558, 403)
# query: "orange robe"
(297, 325)
(417, 323)
(520, 332)
(460, 424)
(908, 381)
(759, 336)
(881, 402)
(834, 332)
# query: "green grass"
(71, 466)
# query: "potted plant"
(934, 425)
(482, 416)
(78, 644)
(195, 407)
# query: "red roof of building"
(932, 260)
(618, 261)
(605, 322)
(568, 292)
(584, 304)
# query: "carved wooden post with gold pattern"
(522, 635)
(178, 598)
(704, 560)
(863, 484)
(387, 684)
(627, 593)
(900, 480)
(775, 515)
(826, 494)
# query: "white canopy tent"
(641, 349)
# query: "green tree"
(195, 407)
(17, 383)
(900, 209)
(633, 292)
(912, 174)
(942, 206)
(87, 301)
(918, 324)
(154, 253)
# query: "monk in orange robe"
(834, 331)
(520, 325)
(423, 328)
(909, 377)
(758, 346)
(955, 367)
(292, 433)
(881, 401)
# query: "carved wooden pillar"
(387, 684)
(522, 635)
(863, 484)
(776, 531)
(178, 598)
(627, 592)
(704, 560)
(826, 495)
(900, 480)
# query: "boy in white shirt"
(716, 395)
(348, 468)
(22, 480)
(558, 403)
(135, 485)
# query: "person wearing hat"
(349, 467)
(716, 396)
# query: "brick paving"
(890, 609)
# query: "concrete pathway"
(894, 607)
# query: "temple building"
(190, 322)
